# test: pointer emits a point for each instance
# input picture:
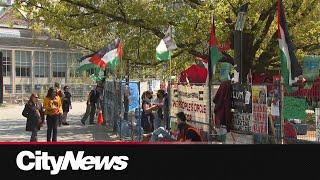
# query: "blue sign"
(134, 96)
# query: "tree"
(95, 23)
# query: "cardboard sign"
(260, 110)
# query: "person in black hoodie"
(34, 113)
(66, 104)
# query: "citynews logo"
(42, 161)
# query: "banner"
(242, 105)
(260, 110)
(193, 101)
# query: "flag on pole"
(166, 45)
(290, 68)
(85, 63)
(106, 57)
(215, 54)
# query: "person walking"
(60, 95)
(34, 113)
(52, 105)
(87, 113)
(66, 104)
(94, 98)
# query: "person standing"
(34, 113)
(94, 102)
(66, 104)
(52, 105)
(159, 116)
(147, 116)
(60, 96)
(87, 113)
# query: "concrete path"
(12, 126)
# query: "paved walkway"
(12, 126)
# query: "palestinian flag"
(105, 57)
(290, 68)
(215, 54)
(166, 45)
(85, 63)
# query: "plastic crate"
(302, 129)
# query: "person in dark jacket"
(94, 103)
(147, 116)
(66, 104)
(34, 113)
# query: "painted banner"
(260, 110)
(242, 105)
(193, 101)
(317, 114)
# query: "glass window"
(6, 60)
(74, 65)
(59, 64)
(41, 64)
(23, 63)
(18, 88)
(8, 88)
(27, 88)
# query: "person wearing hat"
(34, 113)
(66, 104)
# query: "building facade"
(33, 63)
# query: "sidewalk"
(12, 127)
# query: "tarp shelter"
(194, 74)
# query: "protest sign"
(242, 105)
(193, 101)
(260, 110)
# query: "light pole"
(239, 27)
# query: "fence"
(127, 126)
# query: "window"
(18, 88)
(8, 88)
(6, 60)
(41, 64)
(27, 88)
(74, 65)
(59, 64)
(23, 63)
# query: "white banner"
(193, 101)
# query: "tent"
(194, 74)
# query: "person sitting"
(185, 132)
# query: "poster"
(241, 98)
(260, 110)
(225, 69)
(317, 114)
(242, 105)
(193, 101)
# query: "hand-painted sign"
(260, 110)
